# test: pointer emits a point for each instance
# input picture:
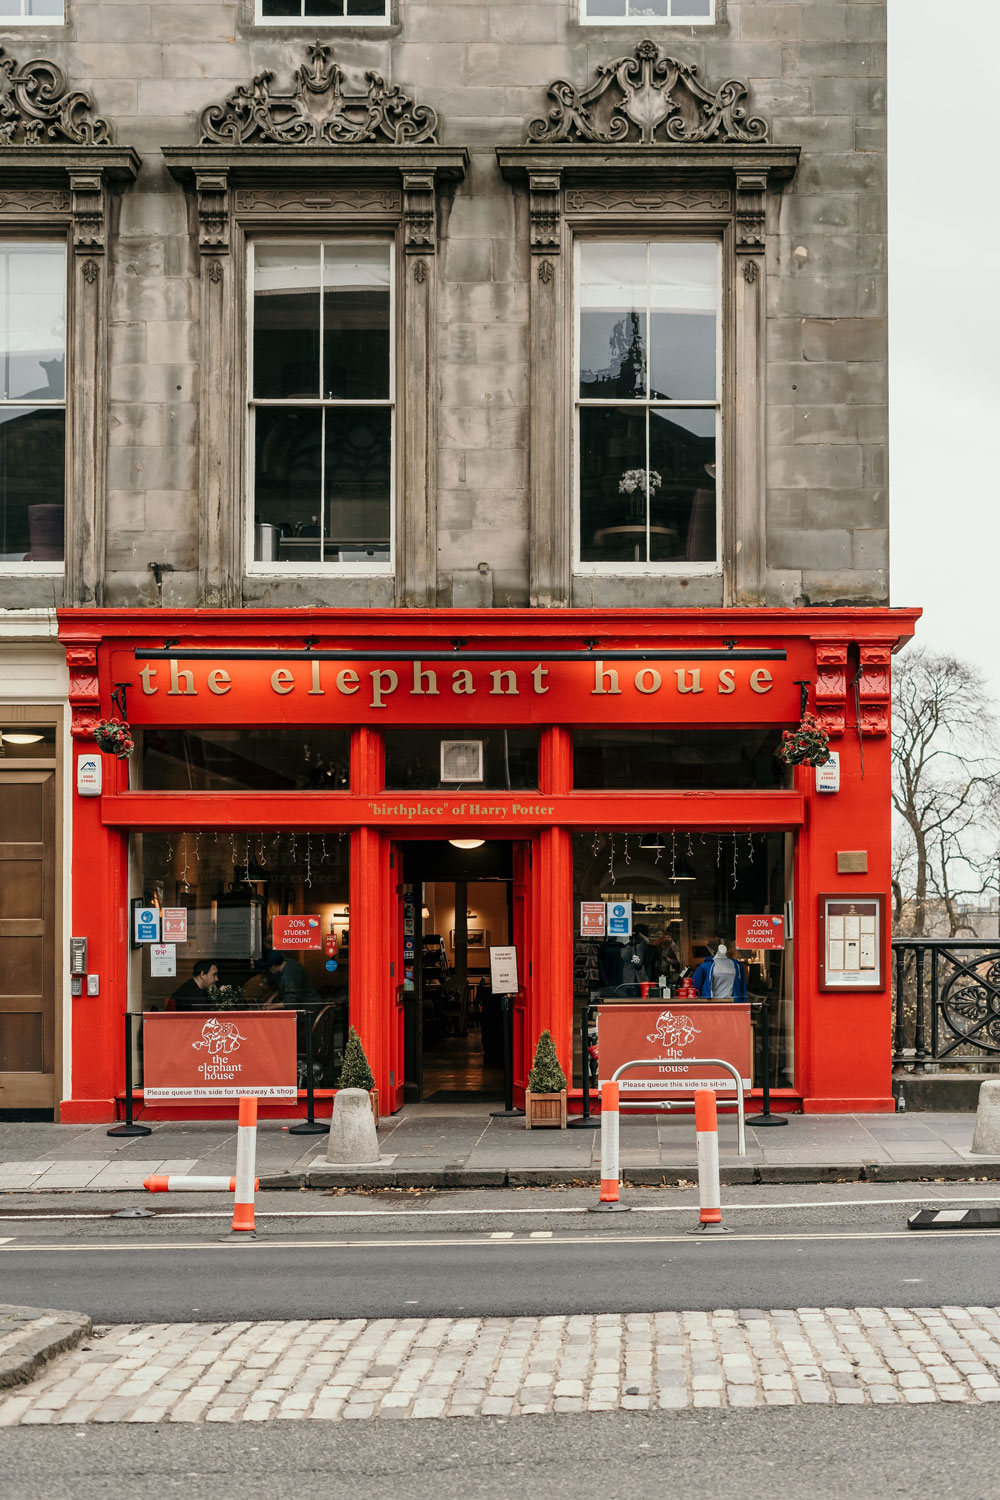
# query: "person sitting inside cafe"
(290, 984)
(193, 993)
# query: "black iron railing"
(946, 1003)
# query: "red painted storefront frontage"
(556, 672)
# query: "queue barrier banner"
(694, 1028)
(231, 1054)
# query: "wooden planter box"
(543, 1111)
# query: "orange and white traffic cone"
(610, 1200)
(706, 1120)
(246, 1152)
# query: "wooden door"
(521, 938)
(27, 939)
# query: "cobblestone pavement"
(232, 1372)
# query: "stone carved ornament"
(36, 105)
(317, 111)
(648, 100)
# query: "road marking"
(529, 1242)
(502, 1234)
(540, 1234)
(501, 1211)
(8, 1241)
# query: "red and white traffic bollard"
(246, 1152)
(178, 1184)
(706, 1121)
(610, 1199)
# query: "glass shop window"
(622, 760)
(648, 404)
(636, 12)
(245, 760)
(687, 890)
(230, 886)
(32, 407)
(325, 12)
(497, 760)
(322, 406)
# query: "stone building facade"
(150, 492)
(383, 329)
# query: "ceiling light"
(466, 843)
(21, 739)
(684, 870)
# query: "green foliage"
(546, 1076)
(355, 1072)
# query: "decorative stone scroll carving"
(213, 212)
(751, 192)
(323, 200)
(648, 100)
(317, 110)
(34, 201)
(831, 685)
(874, 687)
(84, 689)
(36, 105)
(649, 199)
(543, 204)
(419, 213)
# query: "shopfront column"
(371, 989)
(552, 987)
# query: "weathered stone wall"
(817, 72)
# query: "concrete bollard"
(353, 1140)
(986, 1137)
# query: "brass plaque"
(852, 861)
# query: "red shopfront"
(293, 762)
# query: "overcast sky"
(944, 323)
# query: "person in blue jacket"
(721, 977)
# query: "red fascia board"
(406, 814)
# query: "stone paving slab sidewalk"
(506, 1367)
(32, 1336)
(463, 1146)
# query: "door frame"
(13, 715)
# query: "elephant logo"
(219, 1036)
(673, 1030)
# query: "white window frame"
(49, 569)
(679, 568)
(380, 568)
(668, 20)
(28, 20)
(261, 20)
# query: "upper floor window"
(615, 12)
(648, 404)
(322, 405)
(316, 12)
(32, 405)
(31, 12)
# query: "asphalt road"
(802, 1247)
(805, 1453)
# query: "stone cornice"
(310, 164)
(579, 162)
(54, 165)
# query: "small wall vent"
(461, 760)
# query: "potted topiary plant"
(355, 1072)
(545, 1096)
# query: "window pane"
(44, 8)
(691, 8)
(356, 322)
(682, 482)
(358, 447)
(32, 483)
(323, 9)
(612, 320)
(33, 322)
(676, 759)
(683, 281)
(413, 756)
(654, 9)
(288, 484)
(612, 484)
(286, 320)
(366, 7)
(27, 741)
(605, 7)
(218, 760)
(281, 8)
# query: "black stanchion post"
(130, 1127)
(508, 1111)
(310, 1125)
(585, 1121)
(766, 1117)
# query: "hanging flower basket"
(114, 736)
(809, 745)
